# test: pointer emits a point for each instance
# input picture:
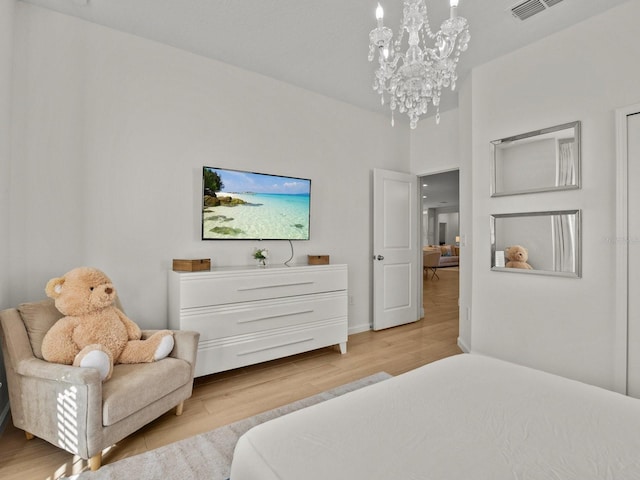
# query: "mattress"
(467, 417)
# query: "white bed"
(467, 417)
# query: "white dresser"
(247, 315)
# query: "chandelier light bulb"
(454, 8)
(379, 15)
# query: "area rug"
(207, 456)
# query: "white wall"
(6, 46)
(435, 148)
(112, 133)
(584, 73)
(451, 219)
(446, 146)
(465, 132)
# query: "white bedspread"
(467, 417)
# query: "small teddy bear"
(94, 332)
(517, 257)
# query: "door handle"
(379, 257)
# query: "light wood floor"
(226, 397)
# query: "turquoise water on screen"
(265, 216)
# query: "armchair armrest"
(185, 345)
(61, 404)
(36, 368)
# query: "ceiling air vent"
(529, 8)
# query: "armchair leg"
(435, 273)
(179, 408)
(28, 435)
(95, 462)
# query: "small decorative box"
(197, 265)
(318, 259)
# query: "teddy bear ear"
(54, 287)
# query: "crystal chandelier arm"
(445, 45)
(388, 65)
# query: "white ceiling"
(319, 45)
(440, 190)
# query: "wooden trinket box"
(196, 265)
(318, 259)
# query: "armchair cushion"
(39, 317)
(133, 386)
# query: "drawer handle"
(270, 347)
(269, 317)
(275, 286)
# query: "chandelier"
(416, 77)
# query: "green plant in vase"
(261, 255)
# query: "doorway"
(627, 379)
(440, 229)
(442, 232)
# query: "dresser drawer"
(224, 354)
(220, 288)
(238, 319)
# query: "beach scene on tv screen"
(246, 205)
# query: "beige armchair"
(69, 406)
(431, 261)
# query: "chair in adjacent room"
(69, 406)
(431, 261)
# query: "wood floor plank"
(226, 397)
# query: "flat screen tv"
(240, 205)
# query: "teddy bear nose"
(108, 290)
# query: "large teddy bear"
(517, 257)
(94, 332)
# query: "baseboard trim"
(463, 346)
(359, 328)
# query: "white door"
(395, 249)
(633, 245)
